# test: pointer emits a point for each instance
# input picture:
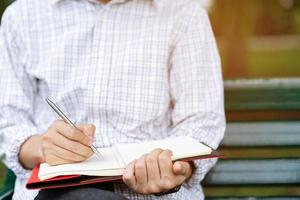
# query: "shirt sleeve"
(197, 88)
(17, 92)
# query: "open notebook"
(113, 162)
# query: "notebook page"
(108, 165)
(182, 147)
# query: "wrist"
(31, 152)
(173, 190)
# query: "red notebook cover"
(74, 180)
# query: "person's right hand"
(63, 143)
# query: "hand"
(155, 173)
(63, 143)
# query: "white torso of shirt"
(105, 65)
(109, 65)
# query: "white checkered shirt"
(137, 69)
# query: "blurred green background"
(257, 38)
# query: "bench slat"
(262, 94)
(250, 177)
(262, 115)
(268, 100)
(273, 171)
(259, 191)
(256, 198)
(250, 153)
(262, 134)
(254, 84)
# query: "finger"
(52, 159)
(140, 171)
(181, 168)
(88, 129)
(63, 142)
(72, 133)
(152, 165)
(182, 171)
(168, 179)
(129, 177)
(165, 163)
(63, 153)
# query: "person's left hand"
(155, 173)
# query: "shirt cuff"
(14, 137)
(201, 169)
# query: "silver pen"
(68, 121)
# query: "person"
(125, 71)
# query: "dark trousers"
(89, 192)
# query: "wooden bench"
(261, 145)
(6, 188)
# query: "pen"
(68, 121)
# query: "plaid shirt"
(137, 69)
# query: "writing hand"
(63, 143)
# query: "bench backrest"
(261, 144)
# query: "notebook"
(113, 162)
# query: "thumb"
(181, 168)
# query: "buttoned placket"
(100, 66)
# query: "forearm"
(30, 152)
(17, 96)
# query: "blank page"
(107, 165)
(182, 147)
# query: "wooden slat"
(262, 115)
(262, 134)
(268, 100)
(273, 171)
(264, 191)
(259, 152)
(255, 198)
(262, 94)
(258, 165)
(254, 84)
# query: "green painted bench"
(6, 177)
(261, 145)
(6, 187)
(7, 180)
